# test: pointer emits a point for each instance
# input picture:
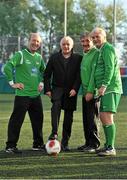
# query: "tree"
(52, 15)
(77, 21)
(47, 17)
(16, 19)
(88, 14)
(121, 19)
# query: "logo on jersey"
(34, 71)
(28, 61)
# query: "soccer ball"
(53, 147)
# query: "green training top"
(107, 71)
(87, 70)
(28, 69)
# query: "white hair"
(99, 30)
(67, 38)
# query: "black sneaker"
(38, 147)
(53, 136)
(81, 148)
(101, 150)
(89, 149)
(13, 150)
(65, 148)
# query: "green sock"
(106, 137)
(110, 133)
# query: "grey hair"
(86, 34)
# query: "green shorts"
(109, 102)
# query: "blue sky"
(122, 2)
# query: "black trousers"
(89, 125)
(22, 104)
(67, 122)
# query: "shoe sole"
(89, 151)
(12, 152)
(9, 152)
(36, 149)
(108, 155)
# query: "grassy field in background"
(72, 165)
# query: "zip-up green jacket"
(28, 69)
(107, 71)
(87, 70)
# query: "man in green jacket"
(88, 63)
(29, 67)
(108, 83)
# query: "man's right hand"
(18, 86)
(89, 96)
(49, 94)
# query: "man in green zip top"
(109, 86)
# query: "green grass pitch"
(72, 165)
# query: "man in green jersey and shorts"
(27, 82)
(108, 82)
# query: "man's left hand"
(72, 93)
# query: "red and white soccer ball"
(53, 147)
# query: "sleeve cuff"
(11, 82)
(104, 85)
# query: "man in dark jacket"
(61, 84)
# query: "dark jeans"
(90, 127)
(22, 104)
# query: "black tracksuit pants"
(22, 104)
(67, 122)
(89, 125)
